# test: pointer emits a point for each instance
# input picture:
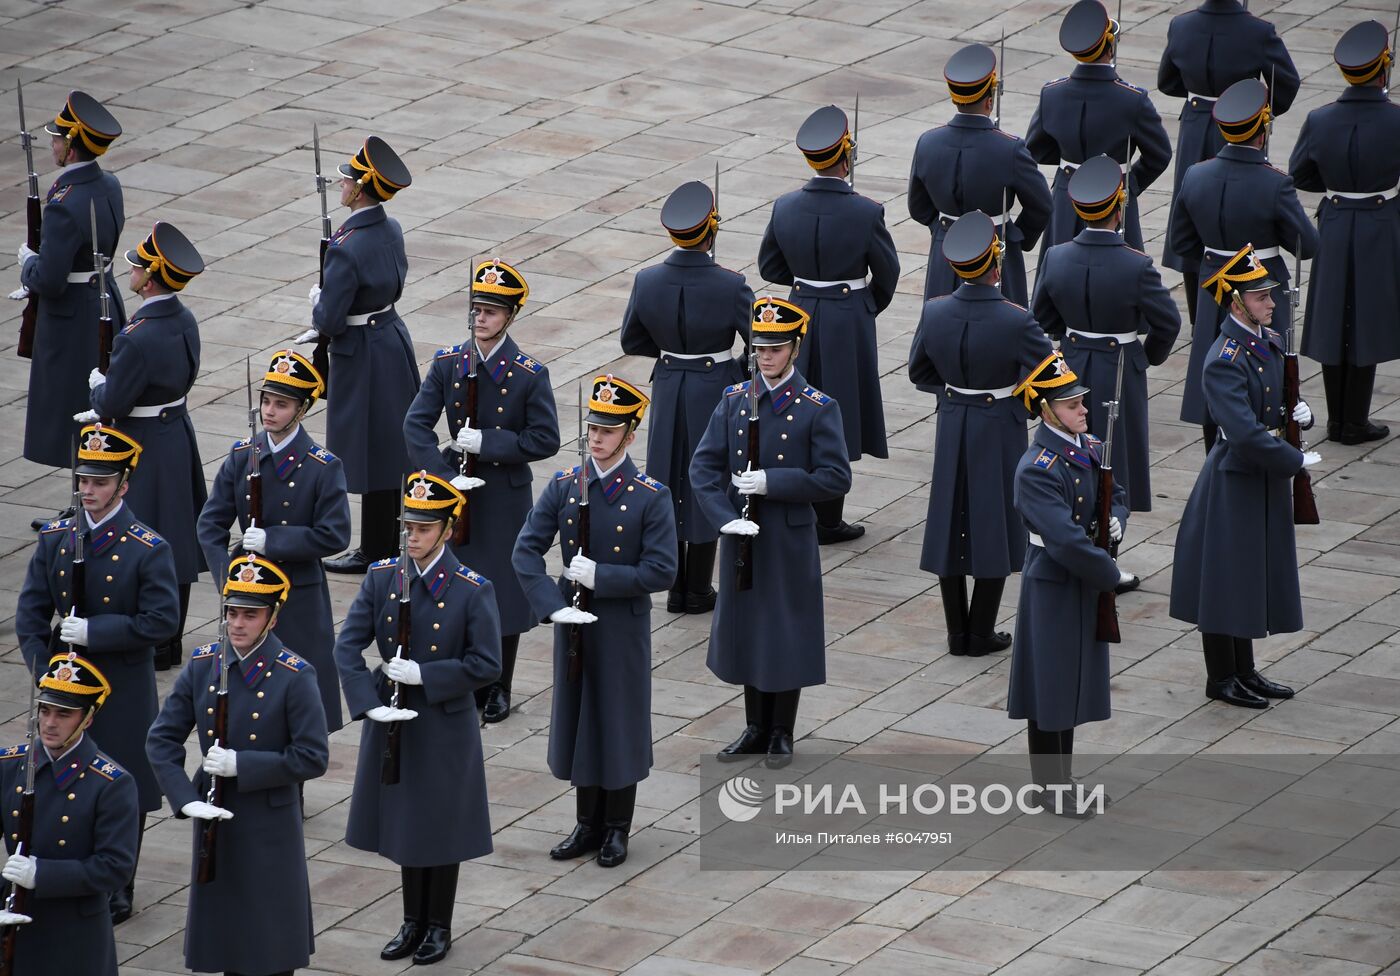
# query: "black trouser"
(1051, 754)
(1349, 394)
(978, 616)
(769, 710)
(379, 523)
(597, 807)
(695, 567)
(510, 647)
(829, 511)
(1227, 656)
(171, 650)
(429, 894)
(1209, 432)
(1191, 282)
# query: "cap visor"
(412, 515)
(595, 419)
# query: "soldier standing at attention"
(1350, 152)
(434, 814)
(274, 742)
(971, 349)
(1208, 50)
(600, 726)
(85, 830)
(61, 275)
(1094, 112)
(373, 372)
(515, 423)
(306, 514)
(972, 164)
(155, 361)
(1235, 569)
(131, 604)
(770, 637)
(685, 313)
(822, 240)
(1235, 199)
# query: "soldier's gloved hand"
(463, 483)
(1115, 528)
(13, 918)
(572, 615)
(469, 440)
(199, 810)
(314, 295)
(1310, 458)
(739, 527)
(255, 539)
(19, 295)
(383, 713)
(73, 630)
(583, 571)
(219, 761)
(87, 417)
(1302, 414)
(307, 337)
(404, 671)
(25, 253)
(751, 482)
(20, 869)
(95, 378)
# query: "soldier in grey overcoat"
(823, 240)
(1235, 570)
(600, 726)
(515, 423)
(1349, 151)
(432, 813)
(305, 514)
(970, 350)
(685, 313)
(1059, 666)
(275, 741)
(769, 636)
(373, 372)
(85, 827)
(130, 605)
(155, 361)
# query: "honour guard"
(306, 514)
(250, 856)
(1059, 666)
(61, 275)
(822, 240)
(768, 633)
(85, 828)
(155, 361)
(501, 416)
(970, 350)
(130, 604)
(1350, 152)
(972, 164)
(1235, 199)
(686, 313)
(1208, 50)
(600, 725)
(420, 785)
(1235, 570)
(373, 371)
(1094, 112)
(1103, 299)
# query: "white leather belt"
(1122, 337)
(851, 283)
(719, 357)
(1260, 252)
(83, 277)
(1000, 393)
(1071, 167)
(1035, 540)
(1199, 98)
(155, 411)
(364, 319)
(1390, 194)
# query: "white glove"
(469, 440)
(314, 295)
(383, 713)
(20, 869)
(739, 527)
(19, 295)
(219, 761)
(13, 918)
(462, 483)
(25, 253)
(87, 417)
(404, 671)
(73, 630)
(199, 810)
(1115, 528)
(255, 539)
(95, 378)
(583, 571)
(571, 615)
(751, 482)
(307, 337)
(1310, 458)
(1302, 413)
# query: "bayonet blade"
(714, 240)
(855, 137)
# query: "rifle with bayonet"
(104, 317)
(583, 596)
(209, 829)
(1304, 503)
(17, 901)
(34, 211)
(743, 556)
(79, 568)
(462, 530)
(320, 356)
(714, 238)
(855, 134)
(1001, 79)
(254, 493)
(389, 764)
(1107, 624)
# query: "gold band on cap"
(689, 238)
(1364, 73)
(1224, 281)
(1094, 212)
(982, 263)
(1244, 131)
(1033, 387)
(383, 187)
(248, 567)
(975, 92)
(826, 158)
(1096, 52)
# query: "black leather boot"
(352, 563)
(982, 637)
(1231, 692)
(587, 835)
(1262, 686)
(754, 739)
(784, 721)
(953, 590)
(618, 806)
(494, 699)
(675, 598)
(119, 903)
(1357, 427)
(442, 890)
(831, 528)
(700, 596)
(410, 934)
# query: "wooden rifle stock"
(25, 348)
(320, 356)
(391, 762)
(743, 559)
(20, 898)
(209, 830)
(1304, 504)
(462, 531)
(1107, 626)
(583, 596)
